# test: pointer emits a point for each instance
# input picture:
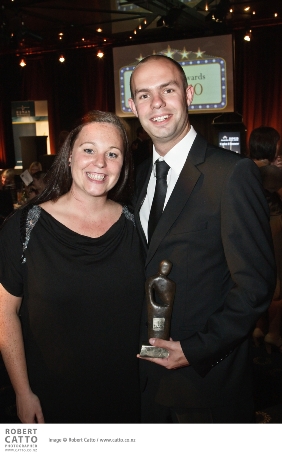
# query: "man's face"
(161, 103)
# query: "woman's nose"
(100, 160)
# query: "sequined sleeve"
(14, 238)
(27, 224)
(128, 214)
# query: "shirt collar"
(177, 156)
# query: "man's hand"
(176, 356)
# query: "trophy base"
(148, 351)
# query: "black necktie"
(159, 197)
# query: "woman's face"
(96, 159)
(34, 169)
(5, 180)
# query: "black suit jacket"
(215, 231)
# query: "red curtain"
(262, 102)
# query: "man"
(215, 230)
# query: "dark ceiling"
(31, 27)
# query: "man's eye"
(168, 90)
(144, 96)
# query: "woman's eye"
(112, 155)
(88, 151)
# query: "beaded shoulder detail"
(29, 218)
(128, 214)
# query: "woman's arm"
(12, 350)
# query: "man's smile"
(160, 118)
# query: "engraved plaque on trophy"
(159, 313)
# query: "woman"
(72, 286)
(8, 178)
(35, 167)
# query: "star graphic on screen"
(139, 58)
(184, 53)
(169, 52)
(200, 53)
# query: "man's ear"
(189, 94)
(132, 106)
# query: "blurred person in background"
(35, 167)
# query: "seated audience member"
(8, 178)
(8, 183)
(37, 185)
(35, 167)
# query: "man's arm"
(12, 350)
(248, 248)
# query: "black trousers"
(234, 413)
(241, 411)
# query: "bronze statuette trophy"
(159, 315)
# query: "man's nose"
(157, 101)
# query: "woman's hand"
(29, 408)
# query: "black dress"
(80, 315)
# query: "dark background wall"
(84, 82)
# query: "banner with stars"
(207, 63)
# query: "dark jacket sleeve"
(247, 243)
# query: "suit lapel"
(180, 195)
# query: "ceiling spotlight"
(22, 63)
(99, 30)
(248, 35)
(62, 58)
(100, 54)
